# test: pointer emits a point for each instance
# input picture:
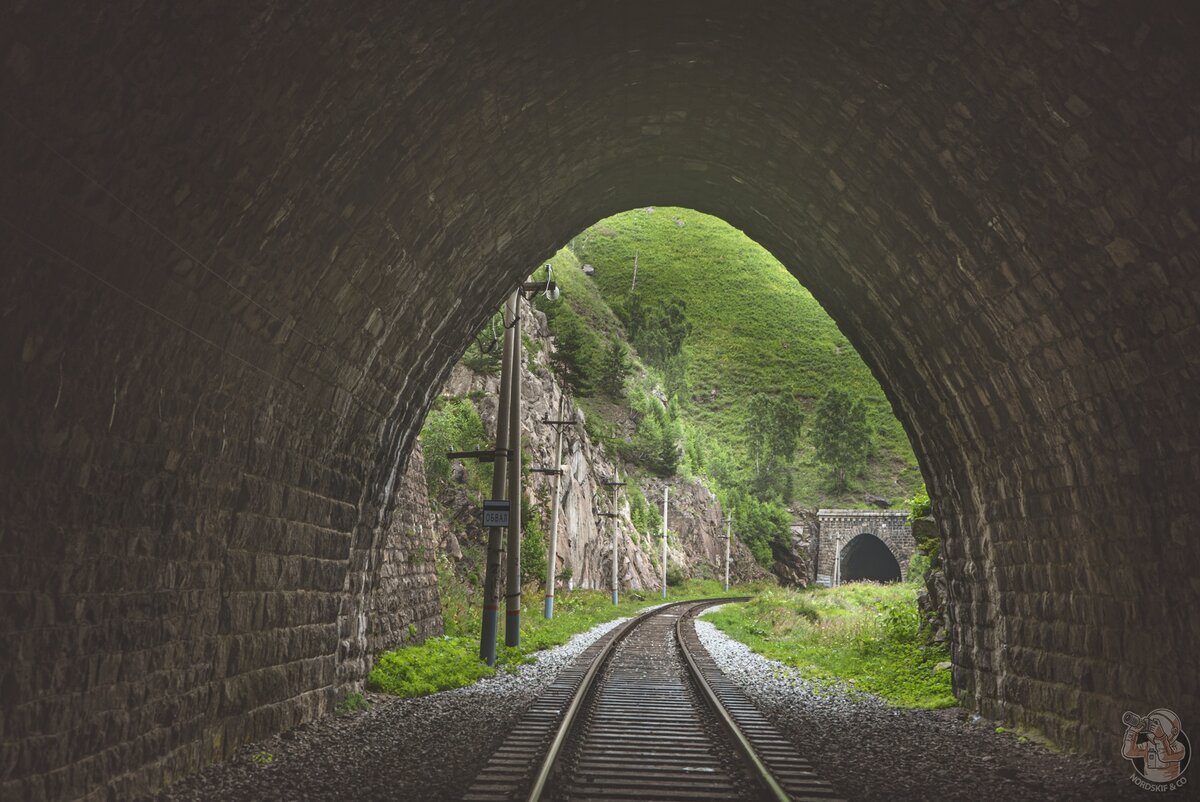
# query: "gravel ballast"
(869, 750)
(427, 749)
(431, 748)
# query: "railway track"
(645, 714)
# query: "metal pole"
(614, 544)
(512, 617)
(491, 584)
(552, 558)
(666, 494)
(728, 531)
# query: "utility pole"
(614, 484)
(491, 584)
(498, 512)
(633, 286)
(557, 472)
(512, 611)
(666, 493)
(728, 532)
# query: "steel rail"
(585, 685)
(743, 743)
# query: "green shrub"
(451, 425)
(919, 505)
(351, 704)
(533, 546)
(438, 664)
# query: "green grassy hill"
(753, 329)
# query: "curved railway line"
(645, 714)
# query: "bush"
(642, 513)
(533, 546)
(452, 425)
(761, 525)
(675, 576)
(437, 665)
(919, 505)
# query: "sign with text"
(495, 513)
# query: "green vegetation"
(452, 661)
(840, 435)
(715, 320)
(353, 703)
(862, 634)
(262, 758)
(454, 425)
(919, 505)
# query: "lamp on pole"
(500, 516)
(512, 617)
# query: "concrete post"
(491, 584)
(837, 561)
(552, 557)
(728, 532)
(666, 494)
(614, 545)
(512, 617)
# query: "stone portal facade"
(837, 528)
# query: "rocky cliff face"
(695, 546)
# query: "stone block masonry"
(242, 244)
(836, 527)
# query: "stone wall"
(242, 244)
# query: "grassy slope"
(861, 634)
(754, 329)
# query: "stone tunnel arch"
(866, 556)
(242, 249)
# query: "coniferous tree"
(841, 436)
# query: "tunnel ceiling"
(243, 244)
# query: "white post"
(552, 557)
(728, 532)
(614, 544)
(666, 493)
(837, 561)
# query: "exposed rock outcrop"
(695, 545)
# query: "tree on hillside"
(841, 436)
(773, 432)
(614, 368)
(575, 350)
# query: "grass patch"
(452, 661)
(353, 703)
(861, 634)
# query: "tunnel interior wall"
(242, 245)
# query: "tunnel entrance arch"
(868, 557)
(313, 210)
(837, 529)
